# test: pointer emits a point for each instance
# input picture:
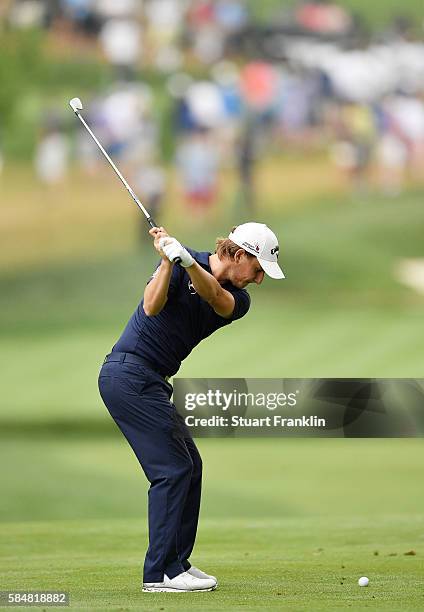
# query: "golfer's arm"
(211, 291)
(156, 292)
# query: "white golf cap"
(259, 240)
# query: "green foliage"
(20, 63)
(32, 83)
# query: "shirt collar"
(203, 258)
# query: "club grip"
(152, 224)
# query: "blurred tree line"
(33, 82)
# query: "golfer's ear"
(238, 255)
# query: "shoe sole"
(169, 590)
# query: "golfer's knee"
(183, 472)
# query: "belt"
(135, 359)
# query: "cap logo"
(250, 246)
(275, 250)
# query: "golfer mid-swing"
(183, 303)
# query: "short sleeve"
(174, 281)
(242, 302)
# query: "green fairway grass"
(293, 564)
(326, 513)
(285, 524)
(65, 477)
(57, 379)
(340, 311)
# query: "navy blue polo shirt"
(166, 339)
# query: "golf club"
(76, 106)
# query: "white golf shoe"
(182, 583)
(197, 573)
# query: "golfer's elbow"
(213, 296)
(223, 303)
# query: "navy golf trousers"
(138, 399)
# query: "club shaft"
(124, 182)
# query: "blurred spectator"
(201, 14)
(164, 24)
(28, 13)
(197, 161)
(298, 104)
(307, 80)
(231, 15)
(226, 77)
(82, 14)
(246, 157)
(392, 156)
(322, 17)
(121, 42)
(149, 183)
(123, 122)
(259, 83)
(357, 133)
(111, 9)
(121, 111)
(208, 38)
(77, 10)
(407, 113)
(121, 35)
(52, 154)
(205, 104)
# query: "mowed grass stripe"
(245, 478)
(56, 377)
(295, 341)
(299, 564)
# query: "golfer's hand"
(158, 234)
(175, 251)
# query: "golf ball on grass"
(363, 581)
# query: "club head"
(75, 104)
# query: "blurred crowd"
(311, 78)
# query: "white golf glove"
(174, 250)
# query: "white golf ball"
(363, 581)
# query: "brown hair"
(226, 248)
